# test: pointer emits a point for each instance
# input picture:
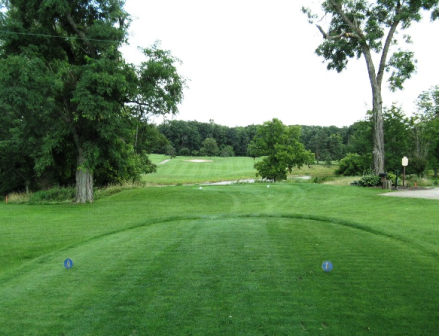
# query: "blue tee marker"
(68, 263)
(327, 266)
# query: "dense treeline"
(328, 143)
(187, 137)
(416, 137)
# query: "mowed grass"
(222, 260)
(186, 170)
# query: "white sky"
(249, 61)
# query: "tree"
(210, 148)
(280, 146)
(360, 28)
(90, 95)
(397, 130)
(170, 151)
(227, 151)
(149, 139)
(319, 144)
(350, 165)
(426, 127)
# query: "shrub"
(170, 151)
(184, 152)
(370, 181)
(351, 165)
(391, 176)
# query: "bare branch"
(322, 31)
(336, 37)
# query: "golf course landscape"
(181, 258)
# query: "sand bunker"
(198, 161)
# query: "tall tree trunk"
(84, 176)
(377, 110)
(84, 181)
(378, 136)
(27, 183)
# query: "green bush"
(351, 165)
(370, 181)
(391, 176)
(53, 195)
(184, 152)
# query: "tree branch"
(392, 30)
(343, 15)
(336, 37)
(80, 33)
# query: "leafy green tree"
(210, 147)
(72, 65)
(148, 138)
(335, 147)
(281, 149)
(227, 151)
(361, 28)
(170, 151)
(326, 142)
(351, 165)
(319, 144)
(360, 141)
(426, 127)
(397, 130)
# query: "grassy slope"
(180, 170)
(237, 260)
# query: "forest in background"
(416, 137)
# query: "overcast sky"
(249, 61)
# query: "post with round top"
(405, 162)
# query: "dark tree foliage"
(425, 130)
(72, 101)
(397, 130)
(191, 134)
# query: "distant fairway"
(223, 260)
(184, 170)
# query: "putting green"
(226, 276)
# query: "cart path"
(432, 193)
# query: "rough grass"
(343, 180)
(222, 260)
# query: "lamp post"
(405, 162)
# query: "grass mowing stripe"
(180, 171)
(385, 251)
(241, 276)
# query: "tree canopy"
(360, 28)
(70, 100)
(280, 148)
(426, 124)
